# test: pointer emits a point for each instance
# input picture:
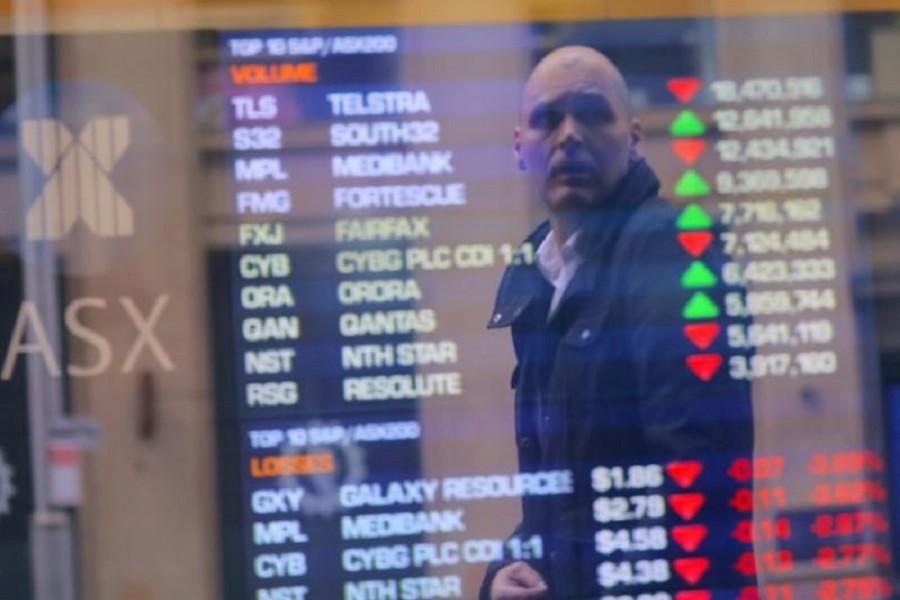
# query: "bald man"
(596, 323)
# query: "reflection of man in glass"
(598, 328)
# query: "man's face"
(576, 136)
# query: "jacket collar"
(523, 284)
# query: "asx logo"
(78, 170)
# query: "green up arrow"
(691, 184)
(687, 124)
(700, 306)
(694, 217)
(698, 275)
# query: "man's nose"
(569, 134)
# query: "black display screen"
(372, 205)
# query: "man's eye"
(544, 119)
(594, 115)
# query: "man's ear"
(636, 134)
(517, 148)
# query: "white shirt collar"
(558, 265)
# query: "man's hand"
(518, 581)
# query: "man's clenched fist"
(518, 581)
